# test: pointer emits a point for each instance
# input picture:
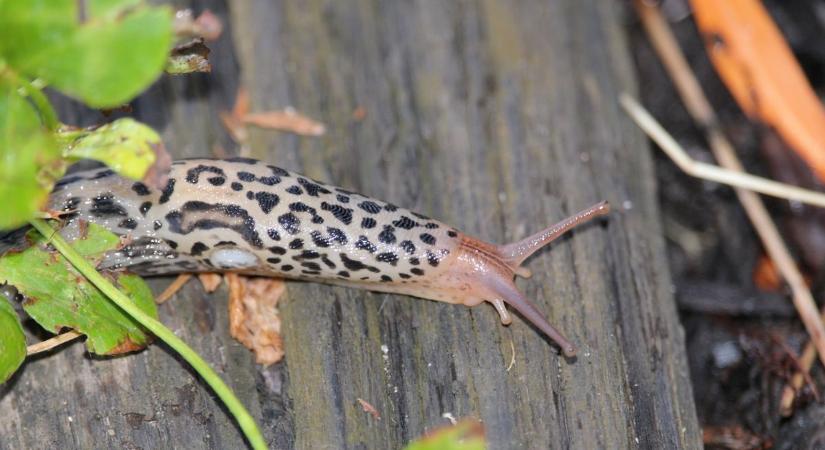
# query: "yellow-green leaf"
(125, 145)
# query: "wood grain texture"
(497, 118)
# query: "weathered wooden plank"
(497, 118)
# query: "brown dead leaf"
(286, 120)
(359, 113)
(759, 69)
(158, 174)
(253, 315)
(188, 57)
(210, 281)
(369, 408)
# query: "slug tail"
(485, 272)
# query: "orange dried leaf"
(286, 120)
(765, 275)
(757, 66)
(253, 315)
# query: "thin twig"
(699, 108)
(49, 344)
(710, 172)
(173, 288)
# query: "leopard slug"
(245, 216)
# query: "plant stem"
(245, 420)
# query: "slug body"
(244, 216)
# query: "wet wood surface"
(497, 118)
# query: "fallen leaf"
(286, 120)
(253, 315)
(191, 56)
(759, 69)
(369, 408)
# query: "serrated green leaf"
(104, 54)
(125, 145)
(12, 341)
(468, 434)
(25, 147)
(58, 297)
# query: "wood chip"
(173, 288)
(369, 408)
(253, 315)
(286, 120)
(210, 281)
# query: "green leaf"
(58, 297)
(103, 53)
(125, 145)
(25, 147)
(468, 434)
(12, 341)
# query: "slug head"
(486, 272)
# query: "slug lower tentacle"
(244, 216)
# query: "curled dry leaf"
(253, 315)
(761, 72)
(368, 408)
(210, 281)
(286, 120)
(188, 57)
(232, 120)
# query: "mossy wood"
(497, 118)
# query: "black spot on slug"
(156, 225)
(387, 236)
(387, 257)
(198, 248)
(104, 205)
(307, 254)
(364, 244)
(236, 186)
(144, 208)
(290, 223)
(390, 207)
(193, 174)
(140, 188)
(340, 213)
(370, 207)
(286, 268)
(427, 238)
(328, 262)
(368, 222)
(277, 171)
(420, 216)
(343, 273)
(431, 225)
(312, 188)
(296, 244)
(417, 271)
(294, 190)
(218, 215)
(273, 234)
(246, 176)
(414, 261)
(167, 191)
(408, 246)
(342, 198)
(277, 250)
(273, 260)
(432, 259)
(355, 265)
(311, 266)
(404, 275)
(452, 233)
(386, 278)
(216, 181)
(405, 223)
(128, 223)
(337, 235)
(318, 239)
(266, 201)
(241, 159)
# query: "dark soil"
(742, 342)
